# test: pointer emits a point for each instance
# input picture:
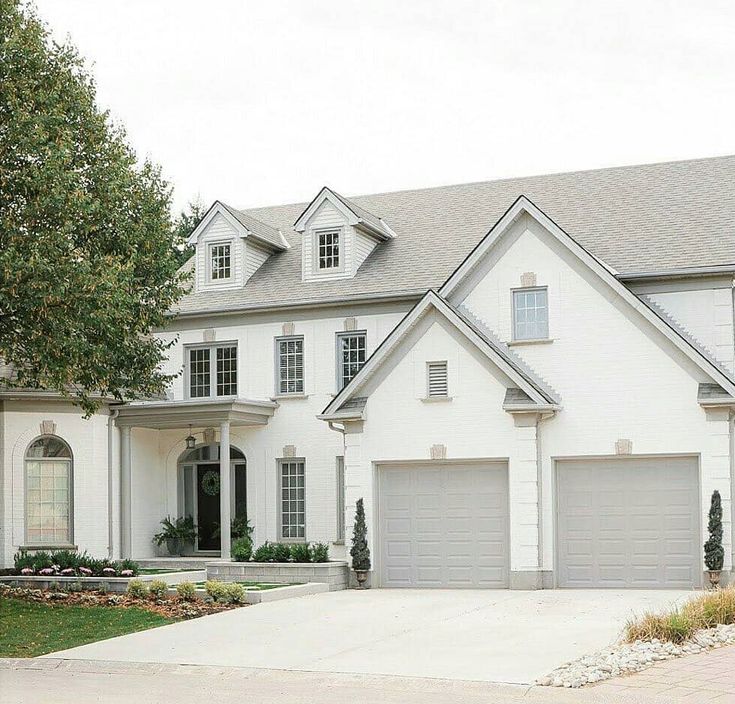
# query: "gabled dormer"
(230, 246)
(337, 236)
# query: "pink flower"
(27, 570)
(126, 573)
(46, 571)
(68, 572)
(108, 571)
(85, 571)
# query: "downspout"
(731, 428)
(540, 500)
(114, 412)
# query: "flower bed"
(68, 563)
(170, 606)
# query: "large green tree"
(88, 257)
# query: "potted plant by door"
(177, 535)
(714, 553)
(360, 551)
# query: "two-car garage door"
(444, 525)
(628, 522)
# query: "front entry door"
(208, 506)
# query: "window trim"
(70, 463)
(279, 484)
(212, 347)
(277, 366)
(429, 395)
(339, 382)
(210, 278)
(340, 231)
(524, 289)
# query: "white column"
(524, 504)
(126, 484)
(224, 489)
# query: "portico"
(170, 415)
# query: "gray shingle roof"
(261, 231)
(634, 218)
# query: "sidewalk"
(708, 677)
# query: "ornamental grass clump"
(706, 610)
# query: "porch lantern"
(191, 441)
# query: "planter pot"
(175, 547)
(714, 578)
(361, 577)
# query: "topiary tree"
(714, 553)
(360, 551)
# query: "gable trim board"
(274, 240)
(356, 216)
(607, 274)
(522, 377)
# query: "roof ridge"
(506, 179)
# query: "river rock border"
(627, 658)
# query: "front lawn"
(28, 629)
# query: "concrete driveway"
(484, 635)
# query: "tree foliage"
(360, 551)
(714, 553)
(184, 225)
(88, 260)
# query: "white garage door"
(628, 523)
(444, 525)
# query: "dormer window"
(220, 262)
(328, 250)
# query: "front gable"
(588, 307)
(433, 320)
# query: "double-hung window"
(328, 254)
(530, 314)
(220, 262)
(289, 365)
(291, 475)
(351, 355)
(212, 371)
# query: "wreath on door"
(210, 483)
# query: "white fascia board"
(430, 300)
(217, 209)
(606, 273)
(325, 194)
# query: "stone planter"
(335, 574)
(714, 578)
(361, 577)
(113, 584)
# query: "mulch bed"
(173, 606)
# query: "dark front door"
(208, 506)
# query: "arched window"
(49, 489)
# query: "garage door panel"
(454, 531)
(639, 526)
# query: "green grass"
(260, 586)
(28, 629)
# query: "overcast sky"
(258, 103)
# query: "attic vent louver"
(438, 384)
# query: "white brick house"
(545, 393)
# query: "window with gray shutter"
(437, 381)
